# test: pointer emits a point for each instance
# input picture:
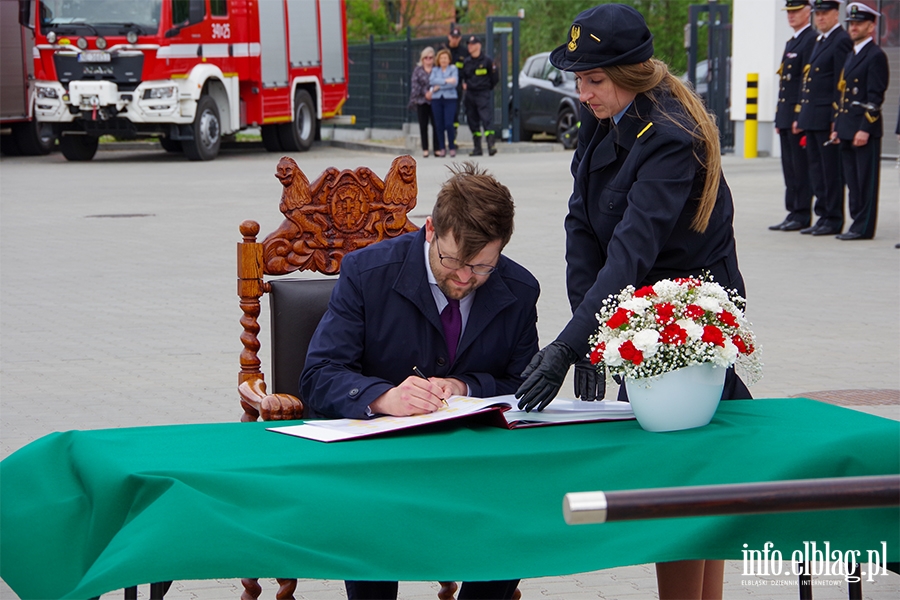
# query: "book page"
(333, 430)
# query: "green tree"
(365, 18)
(546, 25)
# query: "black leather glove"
(544, 376)
(590, 381)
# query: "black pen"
(419, 372)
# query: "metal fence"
(380, 79)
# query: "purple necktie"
(451, 319)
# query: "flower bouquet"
(668, 327)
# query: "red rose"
(713, 335)
(647, 290)
(597, 353)
(665, 313)
(629, 352)
(673, 335)
(619, 318)
(693, 311)
(727, 318)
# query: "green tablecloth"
(86, 512)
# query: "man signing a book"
(442, 299)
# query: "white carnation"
(725, 356)
(647, 341)
(710, 304)
(694, 331)
(636, 305)
(611, 355)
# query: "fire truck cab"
(188, 72)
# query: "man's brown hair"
(475, 207)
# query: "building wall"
(760, 31)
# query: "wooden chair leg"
(286, 589)
(448, 590)
(252, 589)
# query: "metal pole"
(751, 127)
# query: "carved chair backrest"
(339, 212)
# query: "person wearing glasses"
(420, 97)
(443, 299)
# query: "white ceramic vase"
(680, 399)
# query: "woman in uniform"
(649, 203)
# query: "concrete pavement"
(118, 304)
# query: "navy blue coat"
(636, 192)
(864, 80)
(819, 95)
(796, 56)
(382, 320)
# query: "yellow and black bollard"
(751, 126)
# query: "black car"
(548, 101)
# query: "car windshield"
(69, 15)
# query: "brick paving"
(132, 321)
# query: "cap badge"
(575, 34)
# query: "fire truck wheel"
(79, 147)
(270, 138)
(298, 135)
(207, 132)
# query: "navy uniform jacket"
(819, 95)
(636, 192)
(863, 79)
(479, 74)
(796, 55)
(382, 320)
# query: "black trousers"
(797, 189)
(423, 111)
(470, 590)
(479, 112)
(862, 168)
(826, 179)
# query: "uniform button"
(354, 391)
(441, 361)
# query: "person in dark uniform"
(818, 102)
(858, 124)
(479, 76)
(650, 202)
(798, 190)
(458, 54)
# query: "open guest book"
(500, 411)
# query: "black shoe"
(492, 150)
(896, 245)
(476, 152)
(851, 235)
(788, 225)
(809, 230)
(826, 230)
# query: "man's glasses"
(455, 264)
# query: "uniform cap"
(827, 4)
(860, 12)
(473, 39)
(605, 36)
(454, 30)
(796, 4)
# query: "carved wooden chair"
(339, 212)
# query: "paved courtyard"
(118, 306)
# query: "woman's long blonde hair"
(652, 77)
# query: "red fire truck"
(188, 72)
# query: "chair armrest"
(271, 407)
